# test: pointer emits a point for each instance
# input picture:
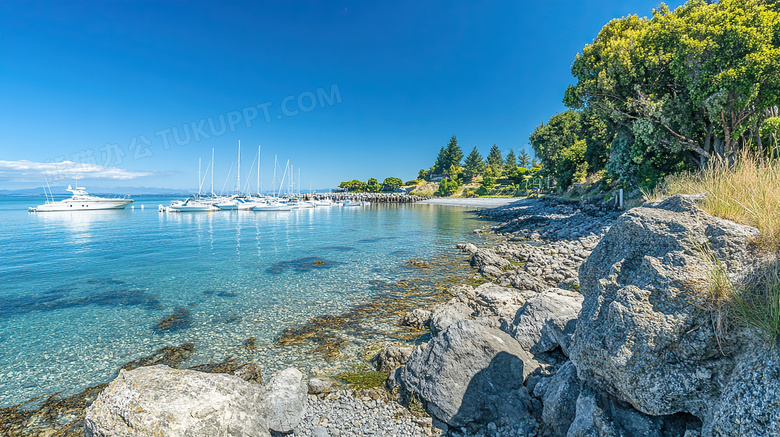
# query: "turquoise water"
(82, 292)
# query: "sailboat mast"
(292, 181)
(238, 170)
(212, 172)
(273, 181)
(299, 182)
(258, 170)
(199, 182)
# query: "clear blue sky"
(369, 89)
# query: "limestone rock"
(392, 357)
(750, 405)
(485, 257)
(559, 398)
(317, 386)
(285, 400)
(547, 321)
(641, 335)
(599, 415)
(416, 318)
(158, 400)
(470, 374)
(490, 271)
(445, 315)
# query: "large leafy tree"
(494, 160)
(354, 185)
(691, 84)
(391, 184)
(474, 165)
(560, 133)
(372, 186)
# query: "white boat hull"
(82, 205)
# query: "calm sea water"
(82, 292)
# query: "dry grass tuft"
(746, 192)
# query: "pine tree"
(494, 160)
(510, 164)
(474, 165)
(441, 162)
(453, 153)
(523, 160)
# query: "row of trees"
(453, 170)
(372, 185)
(672, 92)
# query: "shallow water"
(83, 293)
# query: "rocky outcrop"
(484, 257)
(443, 316)
(392, 357)
(285, 400)
(750, 404)
(547, 321)
(470, 373)
(642, 336)
(559, 396)
(416, 318)
(599, 415)
(158, 400)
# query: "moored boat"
(81, 200)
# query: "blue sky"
(133, 93)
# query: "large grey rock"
(158, 400)
(416, 318)
(526, 281)
(559, 396)
(285, 400)
(641, 334)
(496, 305)
(750, 405)
(445, 315)
(599, 415)
(391, 357)
(486, 257)
(547, 321)
(470, 374)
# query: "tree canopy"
(494, 160)
(692, 84)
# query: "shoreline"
(472, 202)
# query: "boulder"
(416, 318)
(599, 415)
(547, 321)
(285, 400)
(496, 305)
(485, 257)
(641, 335)
(392, 357)
(750, 405)
(491, 271)
(445, 315)
(470, 374)
(524, 280)
(559, 396)
(468, 247)
(158, 400)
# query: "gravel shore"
(472, 202)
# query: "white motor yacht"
(272, 206)
(82, 201)
(193, 204)
(324, 202)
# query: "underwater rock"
(180, 319)
(171, 356)
(302, 265)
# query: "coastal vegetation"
(676, 92)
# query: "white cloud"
(29, 171)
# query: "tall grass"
(746, 192)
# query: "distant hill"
(133, 191)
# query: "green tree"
(510, 164)
(373, 186)
(354, 186)
(560, 133)
(392, 184)
(523, 160)
(442, 162)
(685, 85)
(494, 160)
(448, 156)
(489, 178)
(422, 174)
(446, 188)
(474, 165)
